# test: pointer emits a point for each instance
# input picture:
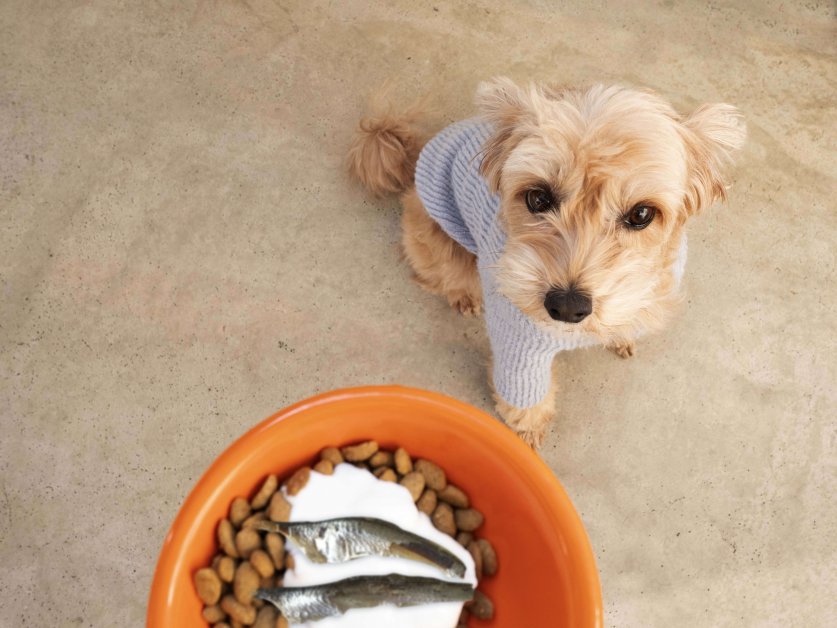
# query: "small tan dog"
(561, 211)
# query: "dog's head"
(595, 188)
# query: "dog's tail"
(385, 150)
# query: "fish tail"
(431, 554)
(281, 527)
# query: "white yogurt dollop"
(353, 492)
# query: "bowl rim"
(183, 526)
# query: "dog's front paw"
(624, 349)
(467, 304)
(529, 423)
(533, 438)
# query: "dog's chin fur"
(601, 152)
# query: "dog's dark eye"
(640, 216)
(539, 200)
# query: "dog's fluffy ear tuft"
(501, 99)
(713, 133)
(505, 105)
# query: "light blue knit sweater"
(456, 195)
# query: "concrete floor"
(181, 254)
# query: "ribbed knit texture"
(456, 196)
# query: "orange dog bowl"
(547, 576)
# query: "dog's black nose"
(569, 306)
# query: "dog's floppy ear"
(505, 105)
(711, 134)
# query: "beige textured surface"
(181, 254)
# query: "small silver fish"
(341, 540)
(301, 604)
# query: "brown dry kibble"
(246, 582)
(464, 538)
(447, 505)
(239, 511)
(361, 452)
(489, 557)
(332, 454)
(385, 474)
(433, 474)
(213, 614)
(253, 520)
(298, 480)
(226, 569)
(208, 585)
(265, 493)
(476, 554)
(262, 563)
(427, 502)
(226, 538)
(247, 541)
(326, 467)
(275, 545)
(237, 611)
(468, 519)
(481, 607)
(381, 459)
(266, 617)
(454, 496)
(413, 482)
(403, 463)
(443, 519)
(279, 509)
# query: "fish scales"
(341, 540)
(300, 604)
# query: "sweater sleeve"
(522, 360)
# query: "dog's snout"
(570, 306)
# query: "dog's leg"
(623, 348)
(529, 423)
(442, 266)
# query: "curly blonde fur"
(600, 151)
